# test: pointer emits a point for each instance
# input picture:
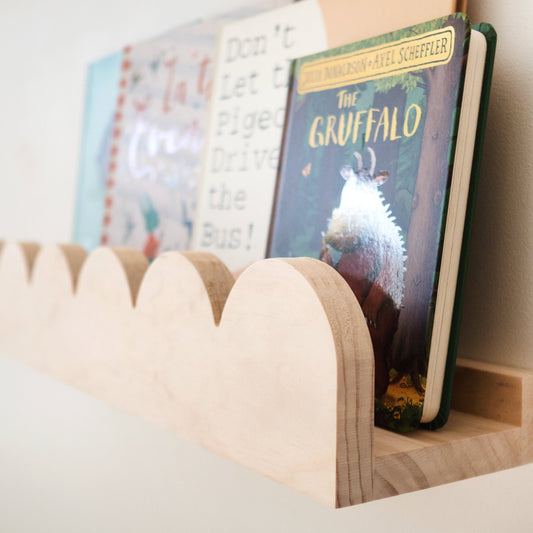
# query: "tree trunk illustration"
(410, 350)
(387, 151)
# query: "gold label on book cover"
(413, 53)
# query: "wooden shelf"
(274, 371)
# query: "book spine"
(115, 145)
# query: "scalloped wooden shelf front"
(273, 371)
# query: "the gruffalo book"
(157, 140)
(374, 179)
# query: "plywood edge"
(134, 264)
(60, 263)
(438, 463)
(75, 256)
(216, 277)
(117, 271)
(490, 429)
(492, 391)
(28, 251)
(355, 376)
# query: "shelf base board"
(287, 395)
(490, 429)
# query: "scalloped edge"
(97, 320)
(490, 427)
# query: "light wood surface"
(392, 15)
(273, 371)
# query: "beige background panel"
(346, 21)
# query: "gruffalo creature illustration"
(365, 245)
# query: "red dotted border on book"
(115, 144)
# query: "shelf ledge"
(273, 371)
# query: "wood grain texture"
(473, 380)
(467, 447)
(490, 429)
(273, 370)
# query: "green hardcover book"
(374, 179)
(491, 38)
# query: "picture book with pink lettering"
(158, 135)
(374, 179)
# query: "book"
(374, 179)
(100, 99)
(158, 135)
(442, 416)
(246, 123)
(247, 112)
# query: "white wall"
(44, 53)
(499, 300)
(69, 463)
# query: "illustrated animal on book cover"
(370, 255)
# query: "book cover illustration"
(363, 181)
(158, 136)
(100, 100)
